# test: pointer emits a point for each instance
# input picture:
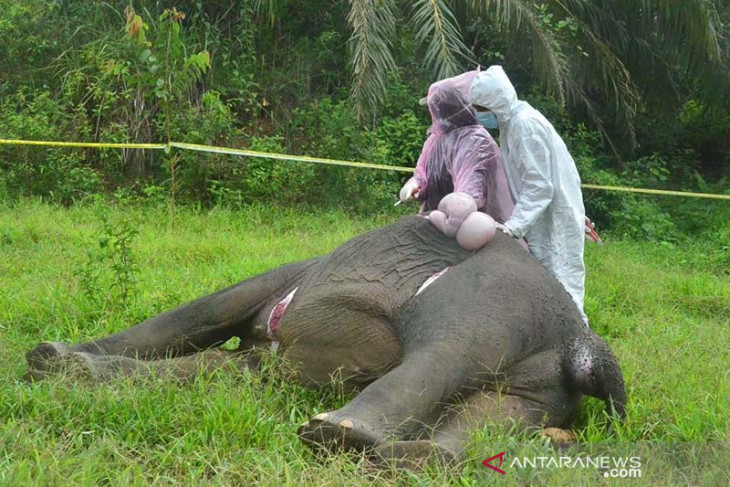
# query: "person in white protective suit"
(544, 181)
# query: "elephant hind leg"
(102, 368)
(196, 326)
(452, 433)
(394, 406)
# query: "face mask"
(488, 120)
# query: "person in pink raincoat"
(459, 156)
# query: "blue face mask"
(488, 120)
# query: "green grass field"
(664, 309)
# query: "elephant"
(434, 338)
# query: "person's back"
(544, 181)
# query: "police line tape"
(316, 160)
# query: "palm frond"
(268, 9)
(522, 18)
(373, 31)
(693, 26)
(690, 35)
(438, 30)
(597, 66)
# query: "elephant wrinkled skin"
(495, 337)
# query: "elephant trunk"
(592, 368)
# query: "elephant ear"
(592, 368)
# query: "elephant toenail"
(346, 423)
(321, 417)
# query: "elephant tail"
(592, 368)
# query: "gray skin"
(495, 338)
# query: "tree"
(608, 56)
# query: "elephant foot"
(333, 432)
(413, 455)
(558, 436)
(46, 359)
(58, 359)
(53, 359)
(44, 355)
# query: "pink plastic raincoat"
(459, 155)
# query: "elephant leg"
(102, 368)
(196, 326)
(401, 402)
(453, 431)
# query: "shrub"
(328, 129)
(61, 175)
(624, 213)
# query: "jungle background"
(639, 91)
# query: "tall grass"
(665, 311)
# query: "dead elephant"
(493, 336)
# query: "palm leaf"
(268, 9)
(597, 66)
(521, 18)
(437, 29)
(373, 31)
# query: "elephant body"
(495, 336)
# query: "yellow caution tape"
(318, 160)
(98, 145)
(657, 191)
(285, 157)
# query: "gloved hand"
(591, 234)
(409, 191)
(505, 230)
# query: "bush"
(210, 122)
(60, 175)
(328, 129)
(626, 214)
(402, 137)
(280, 181)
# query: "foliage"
(211, 121)
(274, 76)
(585, 52)
(112, 255)
(61, 175)
(625, 213)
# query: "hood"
(492, 89)
(449, 108)
(461, 83)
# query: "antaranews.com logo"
(611, 466)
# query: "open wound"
(277, 312)
(432, 279)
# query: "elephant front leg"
(399, 403)
(452, 433)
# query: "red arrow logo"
(496, 469)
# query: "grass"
(664, 309)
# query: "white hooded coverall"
(543, 179)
